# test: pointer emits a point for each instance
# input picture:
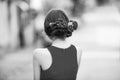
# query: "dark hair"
(58, 25)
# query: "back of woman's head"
(58, 25)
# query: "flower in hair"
(70, 25)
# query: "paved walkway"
(17, 65)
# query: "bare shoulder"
(40, 54)
(79, 53)
(79, 50)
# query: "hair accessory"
(70, 25)
(51, 24)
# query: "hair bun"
(75, 25)
(59, 24)
(72, 25)
(58, 28)
(61, 27)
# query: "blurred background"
(98, 35)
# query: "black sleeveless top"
(64, 64)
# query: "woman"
(61, 60)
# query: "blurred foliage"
(102, 2)
(78, 7)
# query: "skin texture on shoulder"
(42, 55)
(36, 68)
(39, 56)
(79, 54)
(39, 53)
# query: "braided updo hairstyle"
(58, 25)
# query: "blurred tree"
(24, 20)
(102, 2)
(78, 7)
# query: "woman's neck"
(62, 43)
